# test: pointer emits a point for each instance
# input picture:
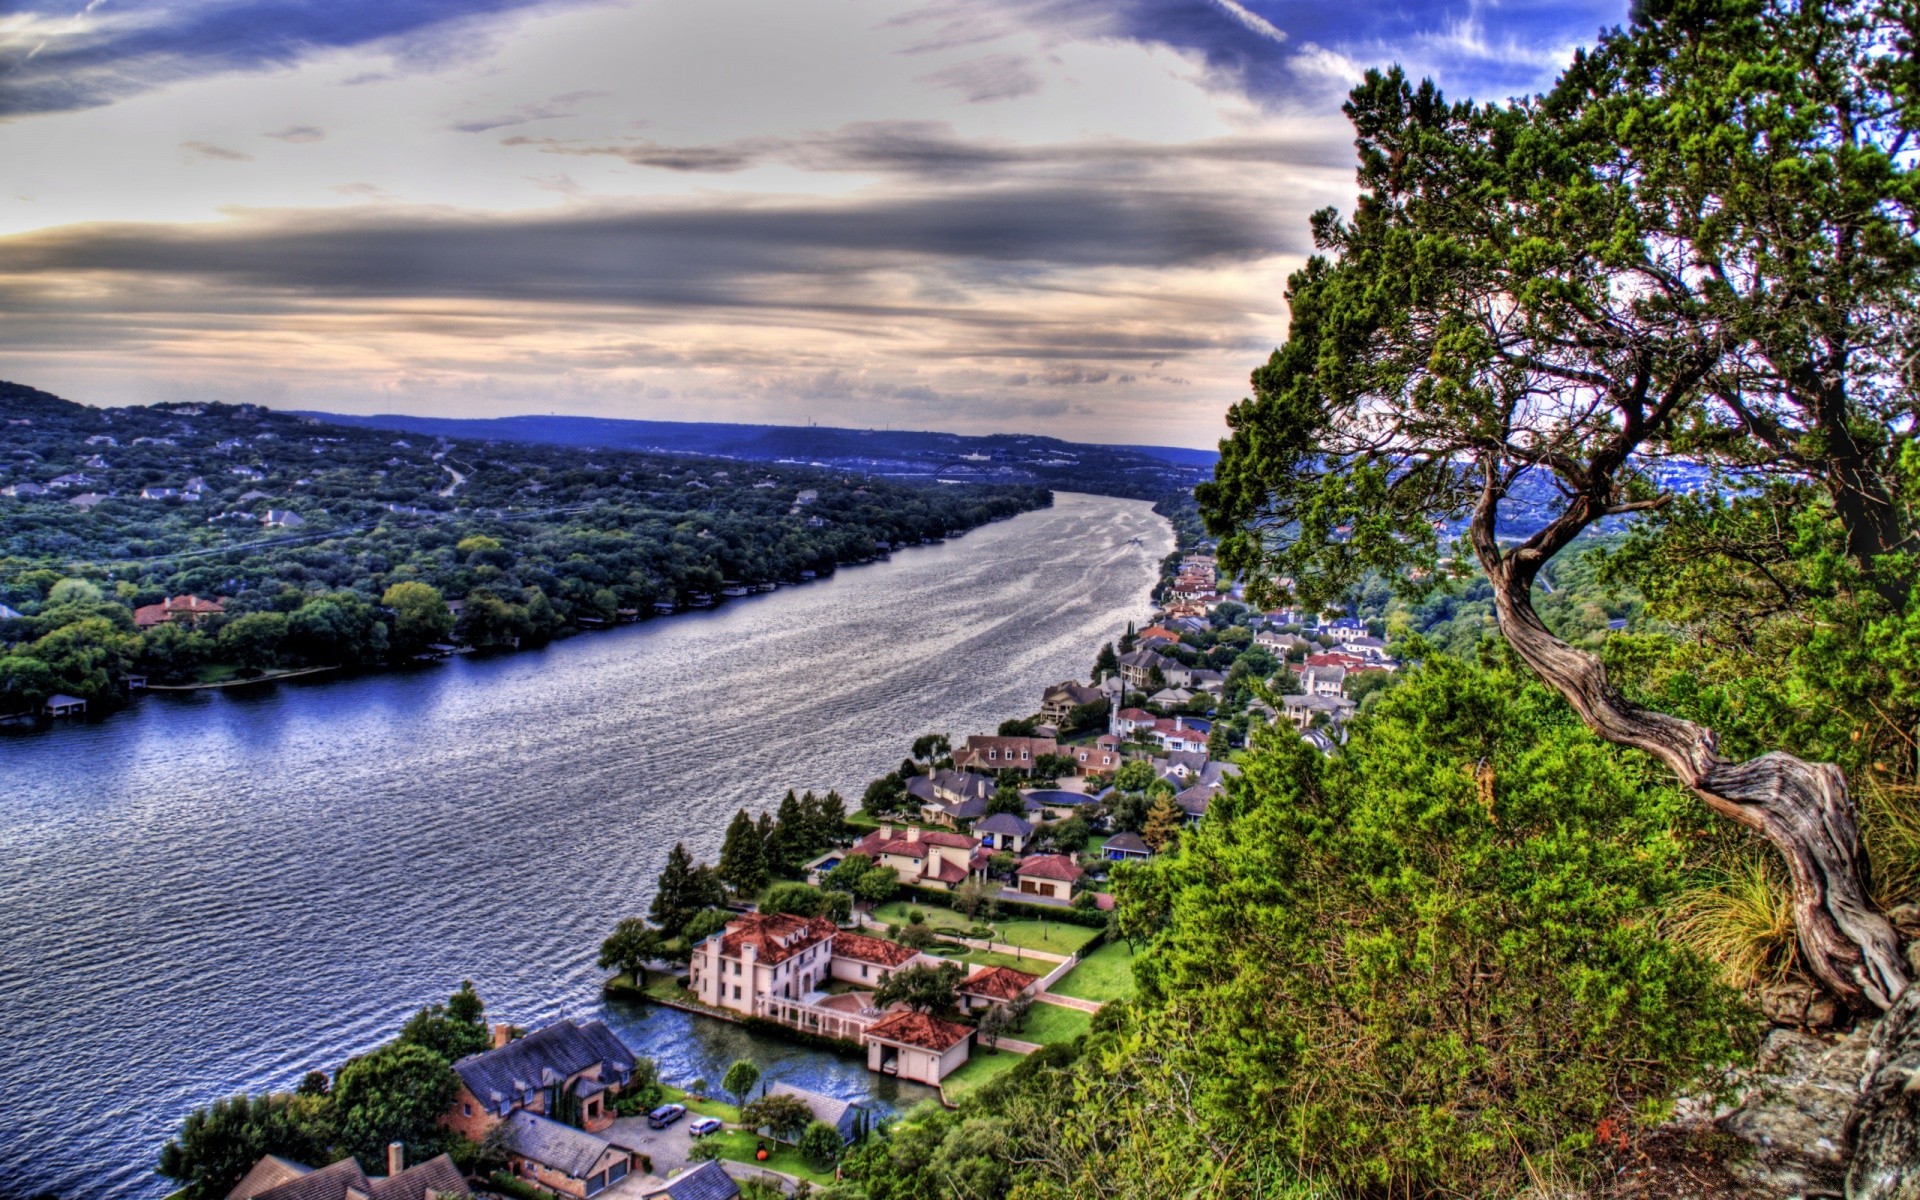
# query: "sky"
(1066, 217)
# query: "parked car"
(704, 1126)
(666, 1115)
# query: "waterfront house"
(561, 1159)
(62, 705)
(569, 1069)
(759, 956)
(915, 1046)
(705, 1181)
(1053, 875)
(995, 985)
(1127, 847)
(848, 1117)
(1003, 831)
(1058, 702)
(921, 857)
(187, 610)
(868, 961)
(276, 1178)
(991, 754)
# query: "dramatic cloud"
(1067, 216)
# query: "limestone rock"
(1884, 1130)
(1795, 1116)
(1800, 1005)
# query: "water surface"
(216, 892)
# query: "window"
(466, 1110)
(736, 991)
(863, 970)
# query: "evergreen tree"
(829, 819)
(1127, 640)
(743, 859)
(792, 835)
(1007, 799)
(672, 903)
(1108, 663)
(1163, 824)
(769, 832)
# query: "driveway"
(667, 1147)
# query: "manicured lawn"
(1106, 974)
(737, 1145)
(706, 1108)
(1049, 1023)
(894, 912)
(215, 673)
(980, 1068)
(1056, 936)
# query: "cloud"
(298, 134)
(557, 106)
(193, 150)
(995, 77)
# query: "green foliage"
(420, 615)
(1007, 799)
(740, 1080)
(395, 1094)
(923, 988)
(820, 1145)
(452, 1030)
(743, 857)
(218, 1144)
(863, 879)
(629, 947)
(796, 898)
(783, 1116)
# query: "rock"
(1794, 1118)
(1884, 1129)
(1799, 1004)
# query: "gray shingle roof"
(1129, 842)
(436, 1176)
(831, 1109)
(1003, 822)
(549, 1143)
(511, 1074)
(708, 1181)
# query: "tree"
(994, 1024)
(421, 617)
(827, 819)
(452, 1030)
(1162, 825)
(863, 879)
(924, 989)
(972, 896)
(1106, 663)
(739, 1081)
(252, 641)
(1016, 727)
(218, 1144)
(783, 1116)
(799, 899)
(743, 857)
(932, 747)
(882, 796)
(1463, 342)
(395, 1094)
(629, 947)
(820, 1146)
(1007, 799)
(673, 898)
(792, 836)
(1134, 775)
(704, 924)
(1071, 835)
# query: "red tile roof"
(948, 872)
(1049, 866)
(998, 983)
(910, 1028)
(861, 948)
(878, 843)
(775, 937)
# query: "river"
(216, 892)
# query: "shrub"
(820, 1146)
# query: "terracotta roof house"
(1096, 759)
(1003, 831)
(760, 956)
(1048, 875)
(1002, 753)
(867, 961)
(921, 857)
(915, 1046)
(275, 1178)
(1124, 847)
(560, 1158)
(1129, 719)
(995, 985)
(568, 1067)
(846, 1116)
(187, 609)
(707, 1181)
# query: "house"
(1304, 711)
(188, 610)
(1058, 702)
(1125, 847)
(86, 501)
(280, 518)
(848, 1117)
(276, 1178)
(954, 787)
(1193, 803)
(1003, 831)
(868, 961)
(921, 857)
(1336, 658)
(1181, 764)
(1181, 733)
(73, 480)
(1213, 683)
(1138, 668)
(705, 1181)
(759, 956)
(560, 1158)
(569, 1069)
(1056, 804)
(10, 614)
(1324, 681)
(62, 705)
(1129, 721)
(1283, 645)
(1157, 633)
(995, 985)
(1047, 875)
(938, 808)
(21, 491)
(1170, 697)
(915, 1046)
(1003, 753)
(1095, 760)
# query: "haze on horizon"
(1069, 217)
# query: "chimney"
(396, 1158)
(913, 833)
(502, 1034)
(886, 829)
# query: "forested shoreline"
(330, 546)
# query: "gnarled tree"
(1700, 246)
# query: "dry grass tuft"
(1744, 922)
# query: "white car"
(704, 1126)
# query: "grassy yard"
(993, 958)
(1106, 974)
(737, 1145)
(215, 672)
(1049, 1023)
(980, 1068)
(1054, 936)
(705, 1108)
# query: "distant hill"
(1141, 472)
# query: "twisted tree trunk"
(1802, 808)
